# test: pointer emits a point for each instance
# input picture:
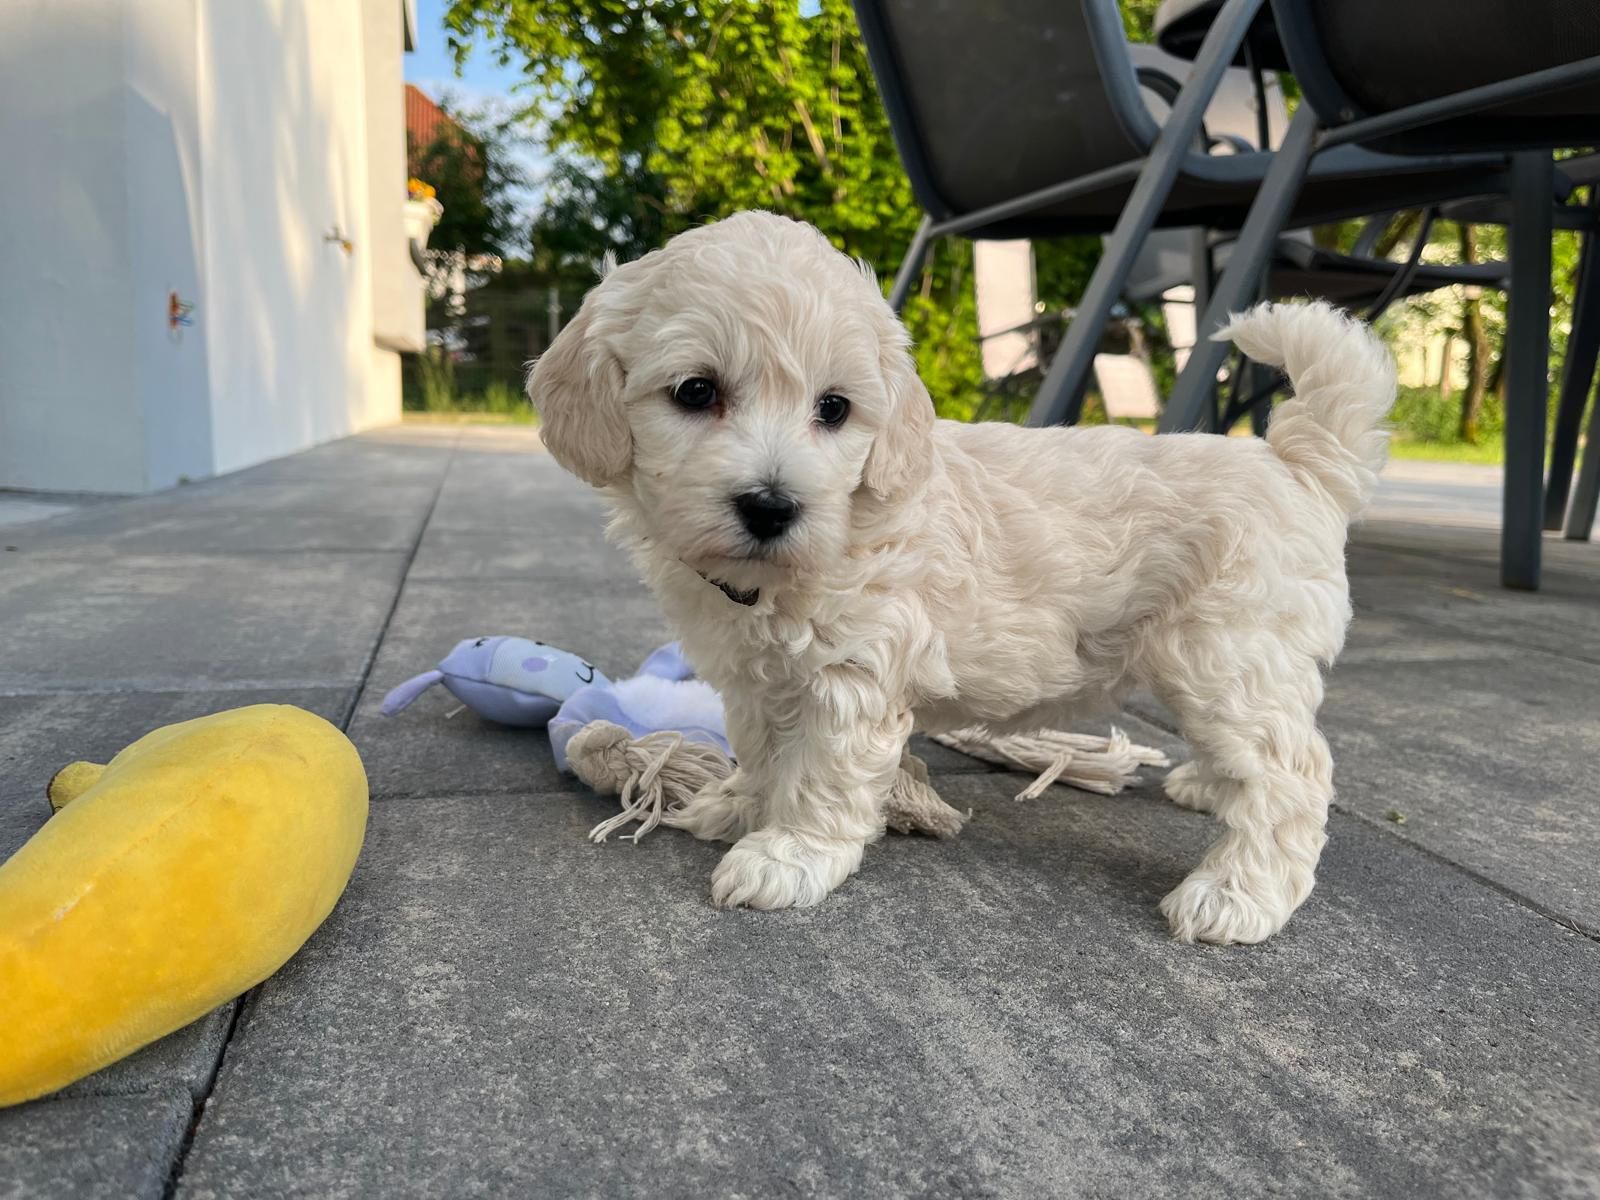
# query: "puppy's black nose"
(766, 513)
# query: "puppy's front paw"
(718, 812)
(1221, 908)
(773, 868)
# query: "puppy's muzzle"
(766, 513)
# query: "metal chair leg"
(1586, 495)
(1060, 397)
(1186, 409)
(911, 264)
(1527, 368)
(1203, 271)
(1577, 376)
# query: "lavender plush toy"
(513, 681)
(507, 679)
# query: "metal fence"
(486, 321)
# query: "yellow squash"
(169, 881)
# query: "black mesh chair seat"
(1358, 58)
(990, 100)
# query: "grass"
(468, 417)
(438, 393)
(439, 402)
(1490, 452)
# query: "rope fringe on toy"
(657, 774)
(653, 775)
(1081, 760)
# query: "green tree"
(587, 213)
(475, 178)
(720, 107)
(664, 115)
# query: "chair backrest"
(1231, 112)
(992, 99)
(1164, 259)
(1360, 58)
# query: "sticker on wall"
(180, 316)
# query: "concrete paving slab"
(333, 513)
(498, 1007)
(1448, 542)
(398, 454)
(186, 1058)
(77, 1148)
(1489, 761)
(191, 622)
(508, 491)
(26, 508)
(569, 547)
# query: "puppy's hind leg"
(1188, 786)
(1263, 768)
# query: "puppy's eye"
(832, 409)
(696, 393)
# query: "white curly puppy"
(844, 568)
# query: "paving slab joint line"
(399, 591)
(247, 1001)
(1388, 827)
(1571, 924)
(175, 1171)
(1441, 627)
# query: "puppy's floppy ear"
(898, 459)
(577, 388)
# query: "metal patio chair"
(1248, 113)
(1521, 87)
(1025, 118)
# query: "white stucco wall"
(65, 340)
(165, 246)
(205, 147)
(283, 140)
(397, 316)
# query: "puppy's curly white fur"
(844, 568)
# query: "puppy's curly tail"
(1333, 428)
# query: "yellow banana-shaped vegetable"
(177, 876)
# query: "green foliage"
(474, 177)
(432, 385)
(1139, 19)
(436, 380)
(662, 114)
(588, 213)
(1424, 414)
(713, 107)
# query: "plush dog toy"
(509, 680)
(180, 874)
(656, 739)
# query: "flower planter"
(421, 217)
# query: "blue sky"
(431, 67)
